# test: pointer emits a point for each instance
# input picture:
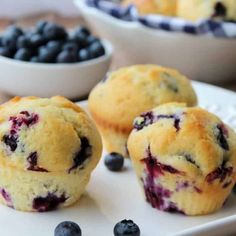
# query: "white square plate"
(111, 197)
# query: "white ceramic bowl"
(73, 80)
(199, 57)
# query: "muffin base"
(40, 191)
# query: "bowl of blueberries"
(46, 60)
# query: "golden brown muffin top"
(188, 139)
(45, 135)
(129, 91)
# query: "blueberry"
(9, 42)
(49, 202)
(22, 42)
(126, 228)
(34, 59)
(84, 55)
(40, 26)
(83, 154)
(82, 29)
(80, 39)
(37, 40)
(66, 57)
(71, 46)
(92, 39)
(54, 46)
(46, 55)
(52, 31)
(114, 161)
(14, 31)
(22, 54)
(96, 50)
(67, 228)
(5, 52)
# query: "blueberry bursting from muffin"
(48, 42)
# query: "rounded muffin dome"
(52, 132)
(187, 152)
(48, 149)
(129, 91)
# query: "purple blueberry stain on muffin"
(84, 153)
(220, 173)
(149, 118)
(186, 185)
(182, 185)
(6, 196)
(144, 120)
(32, 159)
(49, 202)
(221, 133)
(156, 168)
(157, 195)
(23, 118)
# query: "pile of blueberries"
(48, 42)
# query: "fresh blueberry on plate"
(126, 228)
(67, 228)
(22, 54)
(114, 161)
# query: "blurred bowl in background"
(72, 80)
(201, 58)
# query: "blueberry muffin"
(129, 91)
(183, 156)
(213, 9)
(163, 7)
(48, 150)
